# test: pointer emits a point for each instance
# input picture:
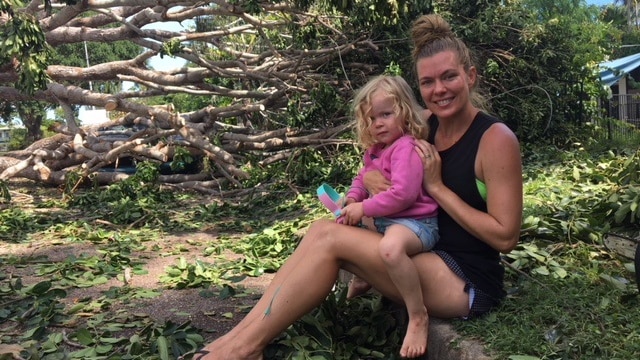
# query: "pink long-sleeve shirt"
(401, 164)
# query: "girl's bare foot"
(357, 287)
(415, 340)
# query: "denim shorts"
(426, 228)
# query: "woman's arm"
(499, 165)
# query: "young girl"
(387, 123)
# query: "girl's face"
(386, 126)
(444, 85)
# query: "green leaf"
(75, 308)
(40, 288)
(631, 267)
(163, 347)
(136, 347)
(87, 353)
(111, 340)
(104, 349)
(84, 337)
(560, 272)
(613, 281)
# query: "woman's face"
(444, 85)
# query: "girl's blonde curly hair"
(406, 107)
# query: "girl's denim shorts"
(426, 228)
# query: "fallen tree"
(249, 63)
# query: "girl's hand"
(351, 214)
(344, 201)
(432, 165)
(375, 182)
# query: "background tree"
(31, 114)
(537, 61)
(632, 11)
(627, 36)
(248, 70)
(84, 54)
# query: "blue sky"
(599, 2)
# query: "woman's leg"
(301, 284)
(357, 286)
(306, 278)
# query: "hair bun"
(429, 28)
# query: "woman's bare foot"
(415, 340)
(227, 348)
(357, 287)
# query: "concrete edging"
(446, 344)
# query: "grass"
(568, 296)
(589, 314)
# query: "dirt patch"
(206, 311)
(202, 307)
(209, 313)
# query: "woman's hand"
(375, 182)
(432, 165)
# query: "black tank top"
(479, 262)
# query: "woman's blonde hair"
(405, 107)
(431, 35)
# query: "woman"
(472, 155)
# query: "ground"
(206, 313)
(204, 310)
(210, 313)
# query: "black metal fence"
(625, 110)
